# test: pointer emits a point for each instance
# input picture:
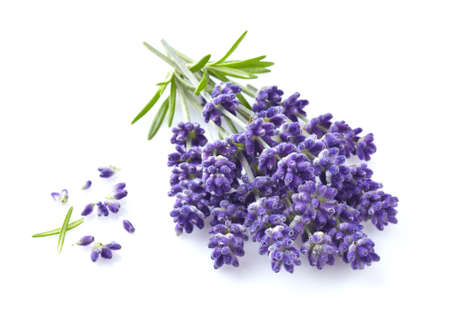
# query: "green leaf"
(233, 48)
(159, 117)
(63, 230)
(248, 63)
(172, 100)
(243, 101)
(56, 230)
(203, 83)
(200, 64)
(255, 70)
(150, 104)
(219, 75)
(234, 72)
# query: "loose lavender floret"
(62, 196)
(102, 209)
(88, 209)
(85, 240)
(104, 251)
(128, 226)
(113, 207)
(87, 185)
(106, 172)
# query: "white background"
(74, 73)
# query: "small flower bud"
(88, 209)
(120, 194)
(128, 226)
(106, 172)
(85, 240)
(106, 253)
(102, 209)
(114, 246)
(113, 206)
(94, 255)
(120, 186)
(87, 185)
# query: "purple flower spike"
(106, 172)
(94, 255)
(128, 226)
(85, 240)
(87, 185)
(106, 253)
(113, 206)
(113, 246)
(102, 209)
(88, 209)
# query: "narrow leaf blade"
(159, 117)
(232, 49)
(62, 233)
(57, 230)
(151, 103)
(200, 64)
(234, 72)
(172, 100)
(202, 85)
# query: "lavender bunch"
(297, 186)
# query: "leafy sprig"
(191, 79)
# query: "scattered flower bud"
(113, 206)
(85, 240)
(128, 226)
(106, 253)
(102, 209)
(88, 209)
(87, 185)
(106, 172)
(113, 246)
(94, 255)
(62, 197)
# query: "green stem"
(247, 168)
(160, 55)
(184, 105)
(57, 230)
(62, 233)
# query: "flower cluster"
(98, 249)
(295, 186)
(111, 205)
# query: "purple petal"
(113, 246)
(106, 253)
(128, 226)
(87, 185)
(94, 255)
(88, 209)
(85, 240)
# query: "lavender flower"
(319, 125)
(87, 185)
(320, 250)
(379, 207)
(113, 207)
(294, 170)
(94, 254)
(88, 209)
(188, 131)
(267, 97)
(106, 253)
(223, 97)
(85, 240)
(106, 172)
(62, 197)
(365, 147)
(102, 209)
(128, 226)
(113, 246)
(219, 175)
(293, 107)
